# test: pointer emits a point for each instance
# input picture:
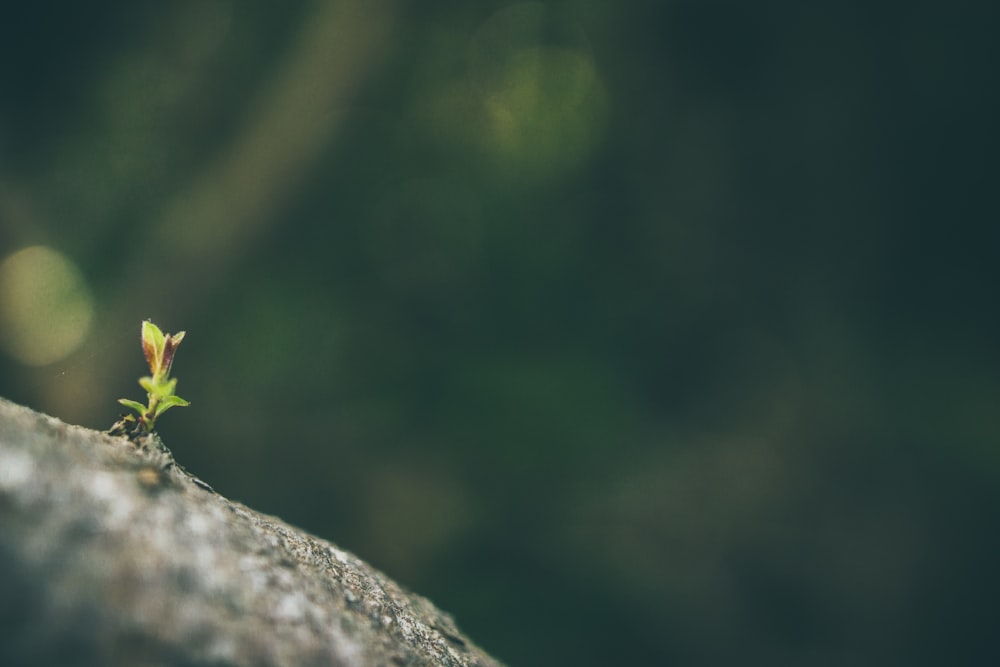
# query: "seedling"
(159, 350)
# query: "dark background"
(629, 333)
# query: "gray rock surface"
(111, 554)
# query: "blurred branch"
(283, 137)
(112, 554)
(207, 227)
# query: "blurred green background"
(629, 333)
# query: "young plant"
(159, 350)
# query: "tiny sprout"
(159, 350)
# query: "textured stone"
(112, 554)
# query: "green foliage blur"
(628, 333)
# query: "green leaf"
(161, 390)
(159, 350)
(153, 342)
(170, 343)
(135, 405)
(167, 403)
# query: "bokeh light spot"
(532, 104)
(46, 308)
(545, 112)
(542, 99)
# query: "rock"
(112, 554)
